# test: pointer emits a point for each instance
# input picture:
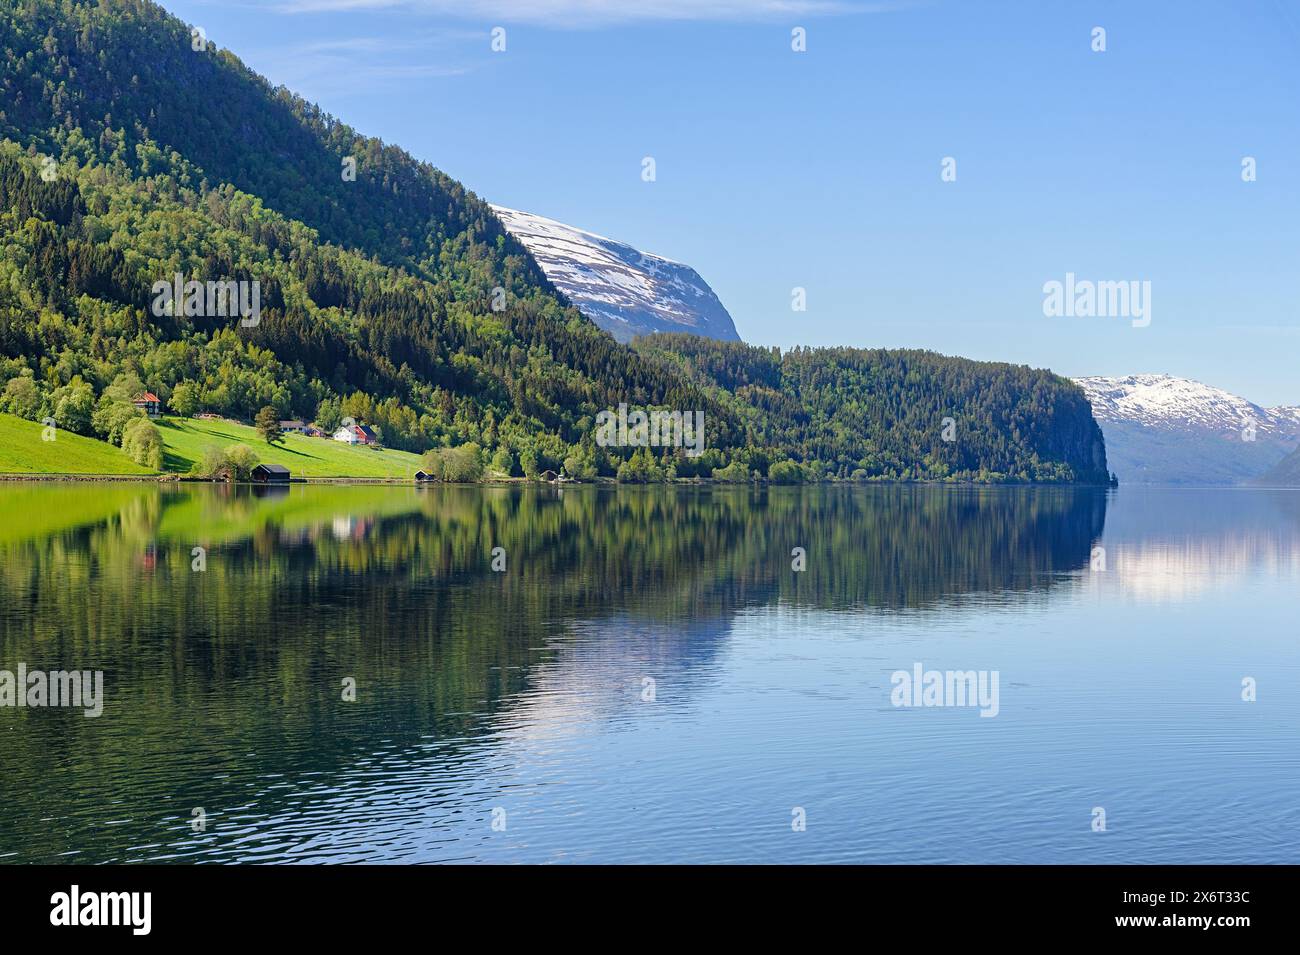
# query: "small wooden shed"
(271, 474)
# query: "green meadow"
(22, 451)
(185, 439)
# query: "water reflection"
(1178, 543)
(224, 686)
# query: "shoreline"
(62, 478)
(597, 482)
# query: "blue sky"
(821, 169)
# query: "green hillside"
(23, 451)
(184, 441)
(395, 297)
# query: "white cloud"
(315, 67)
(588, 13)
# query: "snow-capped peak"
(624, 291)
(1165, 430)
(1183, 404)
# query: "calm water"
(522, 697)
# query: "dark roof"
(272, 468)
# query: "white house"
(355, 434)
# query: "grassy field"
(185, 439)
(22, 451)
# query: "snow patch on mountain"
(1180, 403)
(1165, 430)
(623, 290)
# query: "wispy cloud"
(589, 13)
(355, 63)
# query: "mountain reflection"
(221, 678)
(223, 685)
(660, 553)
(1176, 544)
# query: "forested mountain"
(910, 415)
(132, 152)
(119, 82)
(377, 294)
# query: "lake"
(346, 674)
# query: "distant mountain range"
(623, 290)
(1286, 473)
(1165, 430)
